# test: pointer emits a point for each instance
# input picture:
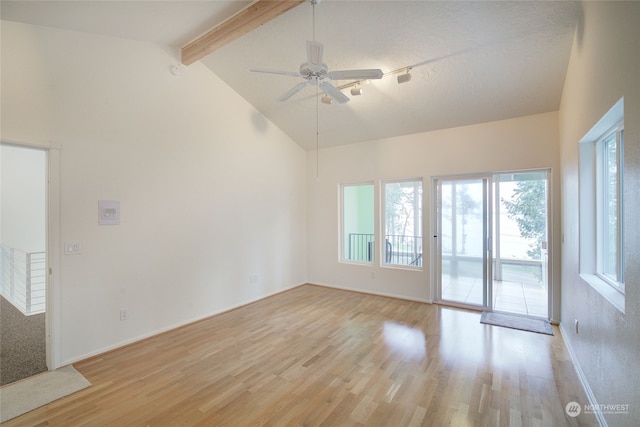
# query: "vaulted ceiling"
(471, 62)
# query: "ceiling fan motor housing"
(309, 71)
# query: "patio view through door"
(491, 242)
(463, 248)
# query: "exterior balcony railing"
(407, 250)
(23, 279)
(399, 249)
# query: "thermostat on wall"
(108, 212)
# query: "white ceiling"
(474, 62)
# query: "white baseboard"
(171, 327)
(367, 291)
(583, 379)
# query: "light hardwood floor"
(316, 356)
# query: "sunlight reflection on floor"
(408, 341)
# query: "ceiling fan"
(315, 72)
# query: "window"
(358, 223)
(402, 223)
(601, 181)
(609, 207)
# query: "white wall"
(211, 192)
(523, 143)
(604, 66)
(22, 198)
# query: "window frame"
(343, 250)
(383, 223)
(615, 134)
(591, 205)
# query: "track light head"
(403, 78)
(355, 91)
(326, 100)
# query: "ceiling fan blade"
(368, 74)
(288, 94)
(333, 92)
(314, 53)
(269, 71)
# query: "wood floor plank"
(314, 356)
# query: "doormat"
(31, 393)
(540, 326)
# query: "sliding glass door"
(492, 243)
(463, 244)
(521, 248)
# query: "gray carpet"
(22, 344)
(540, 326)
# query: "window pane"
(403, 223)
(610, 211)
(358, 223)
(462, 236)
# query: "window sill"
(401, 267)
(612, 295)
(353, 262)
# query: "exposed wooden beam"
(248, 19)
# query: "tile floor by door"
(513, 297)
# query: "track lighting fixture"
(326, 100)
(403, 78)
(357, 90)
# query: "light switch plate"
(72, 248)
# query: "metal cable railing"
(23, 279)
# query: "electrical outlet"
(124, 313)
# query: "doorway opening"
(23, 257)
(491, 249)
